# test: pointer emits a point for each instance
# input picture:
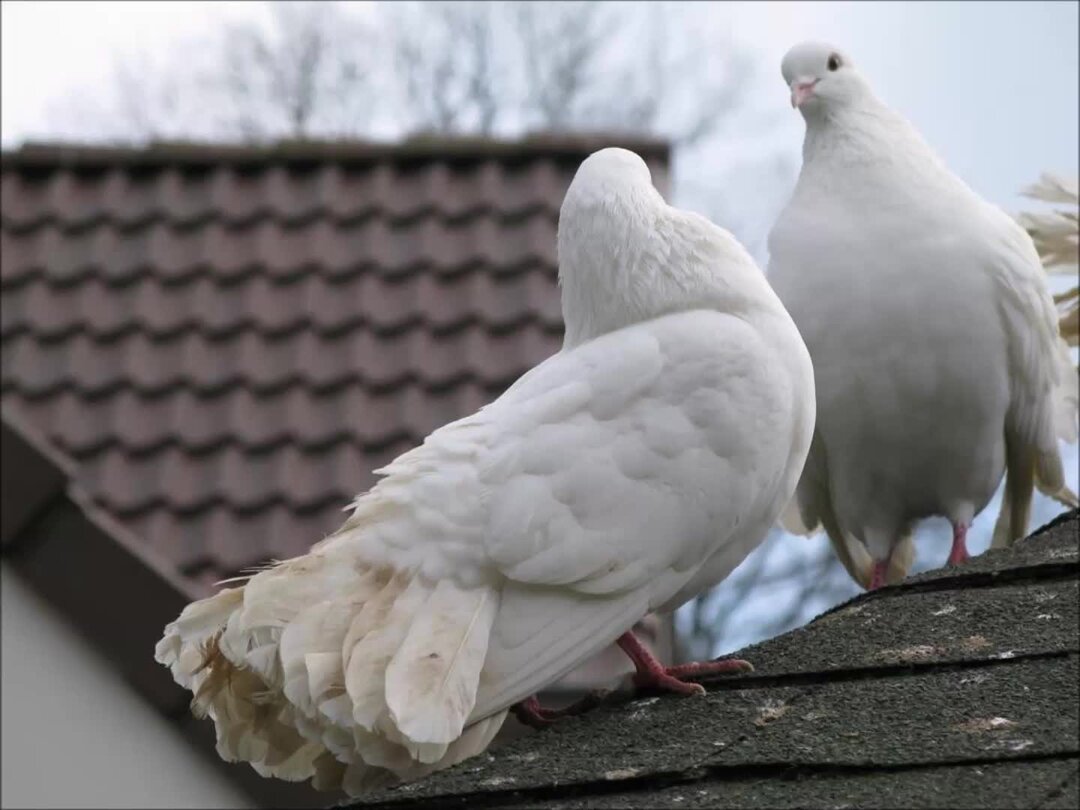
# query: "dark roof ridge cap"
(53, 456)
(124, 538)
(51, 154)
(64, 468)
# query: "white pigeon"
(625, 474)
(937, 358)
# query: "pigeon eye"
(834, 62)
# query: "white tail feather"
(432, 678)
(292, 668)
(365, 677)
(317, 629)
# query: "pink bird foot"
(877, 579)
(530, 713)
(959, 553)
(881, 571)
(651, 674)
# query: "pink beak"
(801, 91)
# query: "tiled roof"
(227, 341)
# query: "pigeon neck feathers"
(665, 260)
(870, 149)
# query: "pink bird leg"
(654, 675)
(881, 570)
(649, 674)
(957, 555)
(877, 579)
(959, 552)
(532, 714)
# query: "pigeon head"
(606, 216)
(626, 256)
(821, 78)
(605, 209)
(609, 176)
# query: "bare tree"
(305, 74)
(446, 58)
(666, 74)
(303, 70)
(559, 47)
(320, 70)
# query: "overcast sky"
(993, 86)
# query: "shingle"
(832, 716)
(229, 340)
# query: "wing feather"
(632, 490)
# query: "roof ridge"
(440, 148)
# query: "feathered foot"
(651, 674)
(530, 713)
(959, 552)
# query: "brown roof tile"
(227, 341)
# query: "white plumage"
(1056, 234)
(934, 338)
(625, 474)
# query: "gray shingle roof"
(957, 688)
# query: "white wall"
(74, 734)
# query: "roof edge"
(112, 592)
(35, 473)
(419, 148)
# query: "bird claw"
(530, 713)
(662, 682)
(673, 679)
(721, 666)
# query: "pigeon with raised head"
(937, 356)
(625, 474)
